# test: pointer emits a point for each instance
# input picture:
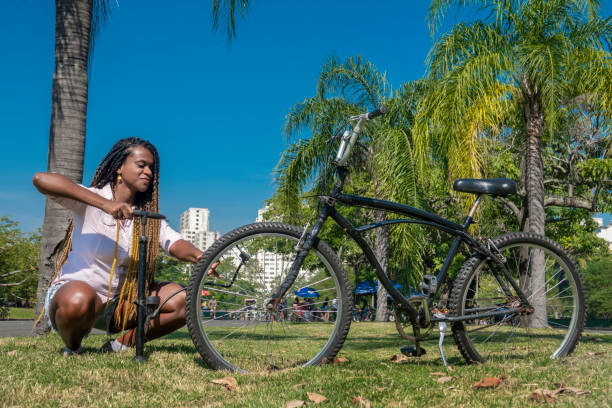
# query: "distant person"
(296, 309)
(212, 304)
(325, 309)
(96, 262)
(283, 309)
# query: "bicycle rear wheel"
(244, 335)
(550, 280)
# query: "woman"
(97, 261)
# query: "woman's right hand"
(119, 210)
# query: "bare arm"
(185, 251)
(58, 185)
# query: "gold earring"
(119, 178)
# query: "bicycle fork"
(303, 247)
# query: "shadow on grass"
(593, 338)
(179, 335)
(170, 348)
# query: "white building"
(604, 232)
(195, 228)
(272, 264)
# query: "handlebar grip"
(375, 113)
(148, 214)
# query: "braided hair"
(148, 201)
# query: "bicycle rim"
(242, 335)
(556, 292)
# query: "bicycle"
(507, 290)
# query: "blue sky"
(214, 110)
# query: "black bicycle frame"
(418, 217)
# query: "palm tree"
(73, 23)
(384, 158)
(516, 70)
(76, 22)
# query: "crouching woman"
(96, 263)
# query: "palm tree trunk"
(534, 180)
(67, 132)
(381, 248)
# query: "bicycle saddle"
(496, 186)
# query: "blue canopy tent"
(367, 287)
(307, 292)
(364, 288)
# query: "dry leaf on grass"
(12, 352)
(302, 384)
(399, 358)
(542, 396)
(230, 383)
(362, 402)
(338, 360)
(450, 368)
(437, 373)
(599, 353)
(295, 404)
(314, 397)
(443, 380)
(489, 382)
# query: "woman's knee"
(75, 301)
(176, 304)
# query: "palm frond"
(316, 113)
(224, 15)
(355, 80)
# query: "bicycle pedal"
(411, 351)
(429, 284)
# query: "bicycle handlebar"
(375, 113)
(349, 138)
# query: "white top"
(93, 244)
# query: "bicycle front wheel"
(243, 335)
(552, 284)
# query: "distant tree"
(597, 276)
(18, 260)
(172, 270)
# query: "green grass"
(35, 374)
(21, 313)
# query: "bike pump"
(143, 302)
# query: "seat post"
(475, 206)
(470, 216)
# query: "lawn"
(34, 374)
(21, 313)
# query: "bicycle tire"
(264, 340)
(556, 332)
